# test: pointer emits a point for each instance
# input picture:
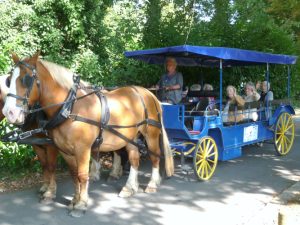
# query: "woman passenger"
(251, 96)
(233, 100)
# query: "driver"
(170, 83)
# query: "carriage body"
(208, 140)
(229, 138)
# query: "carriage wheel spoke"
(212, 154)
(200, 161)
(280, 121)
(206, 170)
(209, 167)
(286, 145)
(288, 140)
(279, 138)
(289, 127)
(202, 171)
(209, 150)
(212, 161)
(199, 168)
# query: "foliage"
(15, 158)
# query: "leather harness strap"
(103, 124)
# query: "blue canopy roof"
(188, 55)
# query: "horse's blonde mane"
(60, 74)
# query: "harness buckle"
(25, 135)
(65, 113)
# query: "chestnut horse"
(47, 154)
(133, 111)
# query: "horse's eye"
(7, 82)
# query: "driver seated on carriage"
(170, 84)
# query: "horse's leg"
(117, 170)
(51, 154)
(83, 160)
(95, 167)
(41, 154)
(152, 139)
(132, 184)
(72, 164)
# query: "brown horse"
(47, 154)
(49, 84)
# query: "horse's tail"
(169, 161)
(164, 141)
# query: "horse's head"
(23, 90)
(4, 86)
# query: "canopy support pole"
(221, 84)
(289, 82)
(268, 73)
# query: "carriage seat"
(203, 94)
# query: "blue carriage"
(208, 138)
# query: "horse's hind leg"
(95, 166)
(152, 139)
(117, 170)
(132, 184)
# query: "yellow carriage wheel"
(205, 158)
(284, 134)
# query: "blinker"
(7, 82)
(27, 80)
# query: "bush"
(15, 158)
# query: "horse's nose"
(10, 114)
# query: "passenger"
(233, 100)
(170, 84)
(251, 96)
(195, 87)
(211, 100)
(266, 95)
(251, 93)
(258, 86)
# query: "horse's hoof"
(112, 179)
(151, 190)
(126, 192)
(46, 200)
(71, 206)
(43, 189)
(77, 213)
(94, 178)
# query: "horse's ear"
(35, 57)
(15, 58)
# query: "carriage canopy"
(188, 55)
